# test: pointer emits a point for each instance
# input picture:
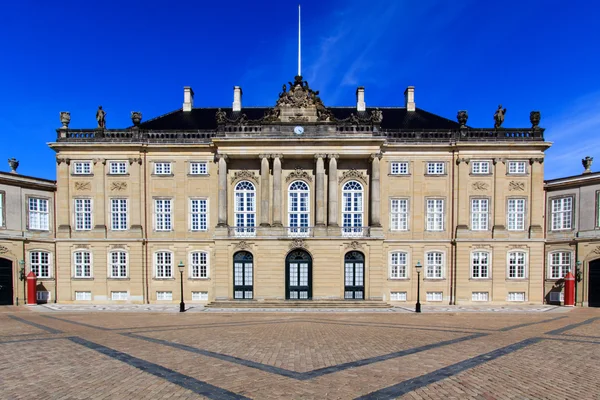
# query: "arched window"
(298, 209)
(245, 209)
(352, 209)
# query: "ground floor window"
(83, 296)
(434, 296)
(119, 295)
(164, 296)
(480, 296)
(199, 296)
(516, 296)
(397, 296)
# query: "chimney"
(360, 99)
(409, 98)
(14, 164)
(188, 98)
(237, 98)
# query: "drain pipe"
(452, 237)
(145, 233)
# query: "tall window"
(162, 168)
(163, 264)
(480, 265)
(479, 214)
(118, 264)
(82, 167)
(83, 264)
(516, 214)
(435, 215)
(299, 208)
(83, 214)
(480, 167)
(199, 214)
(117, 167)
(516, 264)
(352, 208)
(39, 262)
(399, 213)
(398, 265)
(436, 168)
(162, 214)
(199, 264)
(562, 213)
(1, 209)
(118, 209)
(245, 208)
(517, 167)
(435, 265)
(560, 264)
(38, 214)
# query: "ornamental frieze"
(354, 245)
(515, 186)
(242, 245)
(480, 186)
(299, 173)
(298, 244)
(353, 174)
(244, 174)
(4, 250)
(118, 186)
(596, 250)
(83, 186)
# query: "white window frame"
(396, 295)
(435, 217)
(119, 217)
(515, 219)
(200, 295)
(118, 167)
(353, 208)
(480, 296)
(398, 264)
(164, 295)
(562, 213)
(559, 263)
(399, 214)
(79, 267)
(162, 272)
(82, 168)
(198, 168)
(199, 214)
(517, 274)
(516, 296)
(516, 167)
(119, 263)
(84, 219)
(478, 264)
(2, 208)
(435, 168)
(434, 296)
(43, 296)
(163, 168)
(83, 295)
(245, 208)
(120, 294)
(480, 214)
(196, 263)
(435, 269)
(399, 168)
(37, 265)
(480, 167)
(299, 209)
(38, 219)
(163, 214)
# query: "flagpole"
(299, 44)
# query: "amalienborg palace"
(296, 201)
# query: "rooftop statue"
(101, 118)
(499, 117)
(221, 116)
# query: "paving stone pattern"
(146, 355)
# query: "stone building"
(573, 236)
(301, 201)
(26, 236)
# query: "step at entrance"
(299, 304)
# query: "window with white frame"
(517, 167)
(480, 167)
(434, 269)
(162, 214)
(119, 296)
(1, 209)
(480, 265)
(82, 260)
(562, 213)
(83, 296)
(597, 209)
(162, 168)
(398, 265)
(199, 214)
(117, 167)
(436, 168)
(399, 168)
(352, 208)
(43, 296)
(39, 217)
(118, 264)
(199, 264)
(83, 214)
(164, 296)
(434, 296)
(516, 296)
(560, 264)
(399, 214)
(435, 214)
(39, 262)
(516, 214)
(118, 210)
(82, 167)
(199, 296)
(163, 264)
(517, 265)
(480, 296)
(397, 296)
(479, 214)
(245, 208)
(198, 168)
(299, 208)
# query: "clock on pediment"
(298, 130)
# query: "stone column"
(375, 191)
(222, 221)
(333, 190)
(277, 190)
(264, 189)
(320, 192)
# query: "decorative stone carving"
(516, 246)
(242, 245)
(515, 186)
(118, 186)
(299, 95)
(118, 246)
(298, 173)
(462, 116)
(596, 250)
(298, 244)
(101, 118)
(354, 245)
(65, 119)
(83, 186)
(136, 117)
(272, 114)
(534, 160)
(13, 163)
(353, 174)
(4, 250)
(480, 186)
(499, 116)
(376, 116)
(587, 164)
(135, 160)
(374, 156)
(63, 160)
(298, 118)
(221, 116)
(244, 174)
(534, 118)
(481, 246)
(465, 160)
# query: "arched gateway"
(298, 275)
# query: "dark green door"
(354, 276)
(243, 276)
(298, 276)
(6, 282)
(594, 284)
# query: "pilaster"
(222, 215)
(333, 191)
(264, 189)
(277, 190)
(320, 190)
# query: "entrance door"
(298, 272)
(6, 282)
(354, 275)
(242, 276)
(594, 284)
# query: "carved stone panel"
(298, 244)
(515, 186)
(4, 250)
(118, 186)
(353, 174)
(244, 174)
(299, 173)
(242, 245)
(83, 186)
(354, 245)
(480, 186)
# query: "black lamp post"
(418, 267)
(181, 267)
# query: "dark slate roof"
(204, 118)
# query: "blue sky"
(138, 55)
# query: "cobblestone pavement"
(163, 355)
